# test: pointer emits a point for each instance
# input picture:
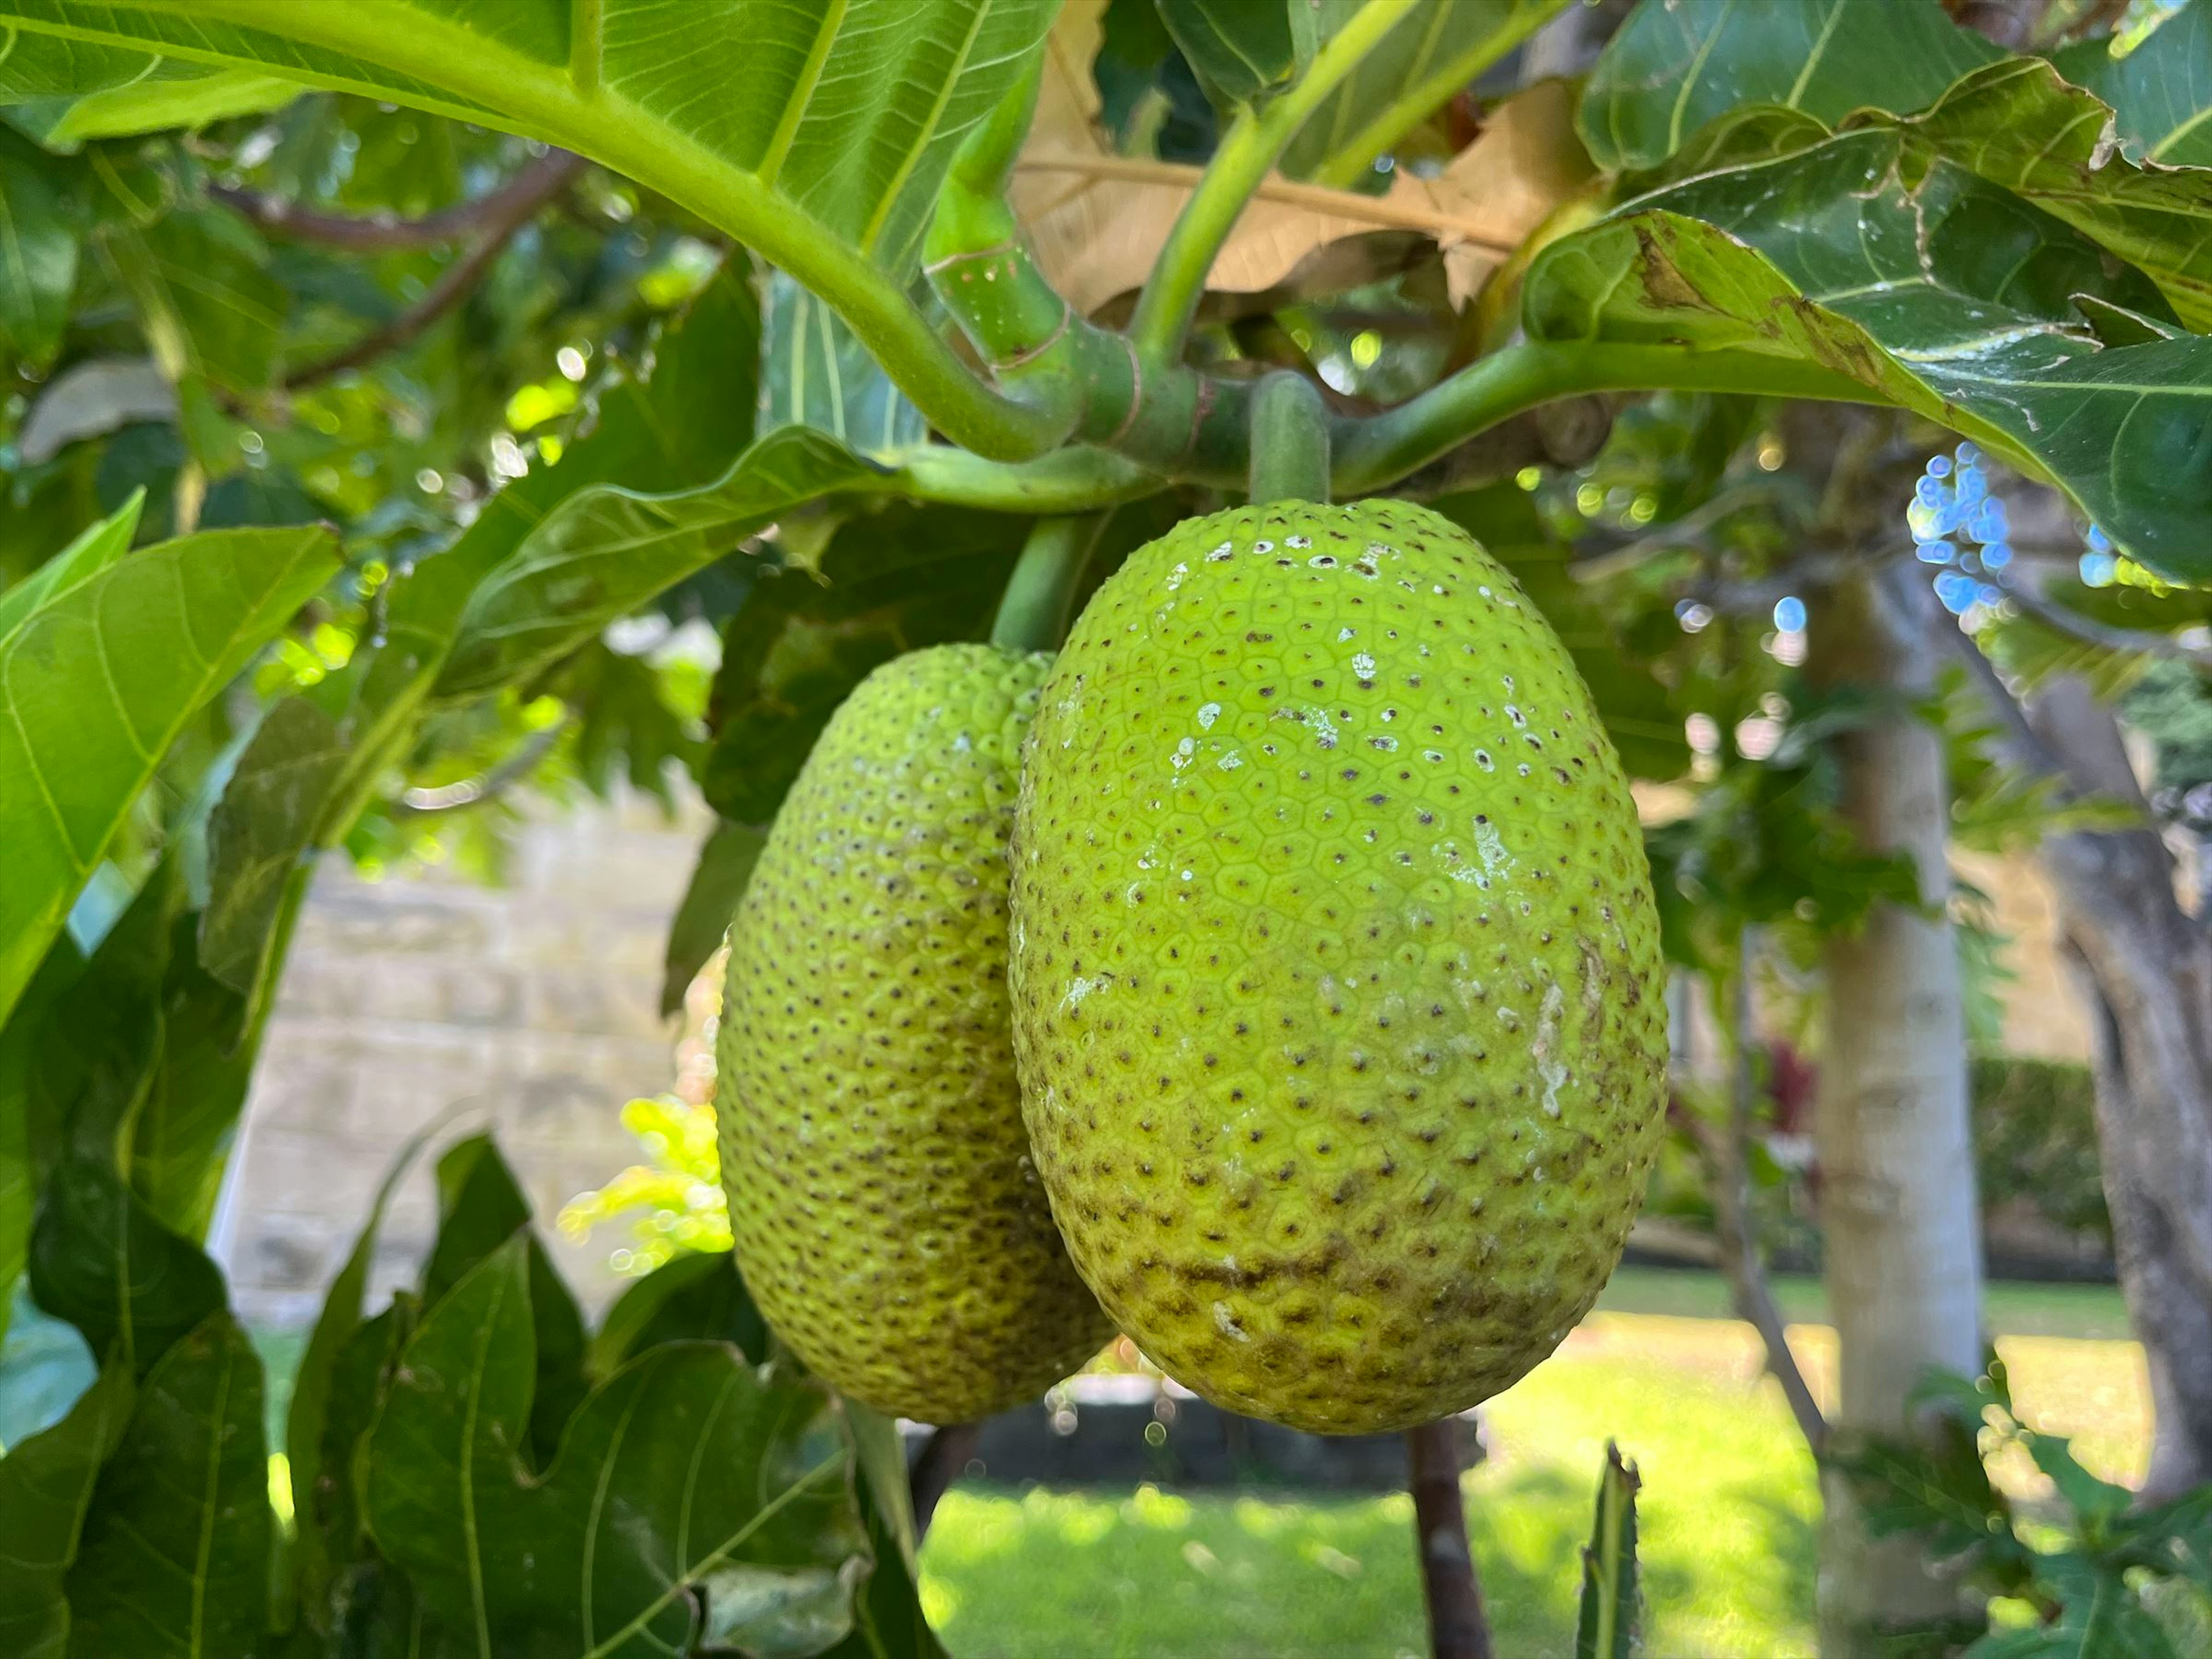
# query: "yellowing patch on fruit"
(886, 1215)
(1337, 988)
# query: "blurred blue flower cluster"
(1959, 525)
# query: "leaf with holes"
(2157, 91)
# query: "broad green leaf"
(718, 882)
(1639, 715)
(1953, 299)
(893, 581)
(175, 1558)
(206, 299)
(1242, 50)
(597, 1554)
(1676, 64)
(260, 830)
(38, 252)
(368, 1362)
(817, 132)
(481, 1208)
(676, 431)
(45, 1487)
(99, 679)
(100, 546)
(320, 1543)
(100, 1260)
(2017, 125)
(1606, 1627)
(815, 372)
(64, 91)
(1418, 67)
(606, 551)
(2157, 92)
(696, 1297)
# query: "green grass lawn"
(1729, 1506)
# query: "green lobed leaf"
(717, 881)
(845, 114)
(2018, 124)
(38, 252)
(324, 1536)
(1242, 50)
(174, 1557)
(599, 1554)
(893, 581)
(1417, 67)
(99, 545)
(1950, 297)
(157, 633)
(64, 91)
(261, 830)
(1677, 64)
(607, 550)
(695, 1296)
(45, 1486)
(815, 372)
(2156, 92)
(100, 1260)
(481, 1209)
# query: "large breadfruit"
(887, 1217)
(1336, 973)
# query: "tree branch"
(548, 177)
(382, 232)
(475, 792)
(1458, 1627)
(1727, 1157)
(2148, 641)
(938, 1465)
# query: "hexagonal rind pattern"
(887, 1217)
(1336, 974)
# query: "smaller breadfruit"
(886, 1215)
(1336, 973)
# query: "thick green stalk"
(1254, 143)
(1290, 441)
(1383, 132)
(1034, 613)
(1377, 451)
(1077, 479)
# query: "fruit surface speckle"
(887, 1217)
(1336, 973)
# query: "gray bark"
(2145, 966)
(1897, 1195)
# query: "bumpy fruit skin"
(1336, 972)
(888, 1219)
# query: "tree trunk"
(2147, 971)
(1897, 1184)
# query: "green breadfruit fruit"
(886, 1215)
(1336, 974)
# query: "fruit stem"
(1458, 1627)
(1290, 441)
(1033, 614)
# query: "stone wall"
(529, 1008)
